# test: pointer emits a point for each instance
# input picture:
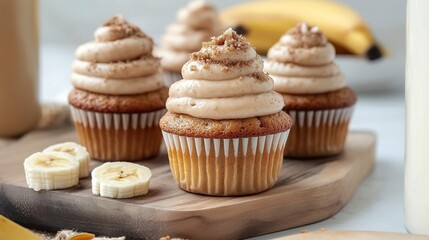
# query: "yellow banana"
(11, 230)
(264, 21)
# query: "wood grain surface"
(307, 191)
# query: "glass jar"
(19, 48)
(416, 199)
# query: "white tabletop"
(378, 203)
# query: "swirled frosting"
(196, 23)
(118, 62)
(224, 80)
(302, 63)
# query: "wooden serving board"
(307, 191)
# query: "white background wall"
(73, 22)
(66, 24)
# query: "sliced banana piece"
(79, 152)
(120, 180)
(51, 170)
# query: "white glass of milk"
(416, 199)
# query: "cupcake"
(196, 23)
(225, 130)
(314, 90)
(119, 94)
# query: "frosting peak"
(198, 14)
(227, 56)
(118, 62)
(198, 5)
(229, 40)
(304, 36)
(117, 28)
(195, 24)
(224, 80)
(229, 46)
(302, 63)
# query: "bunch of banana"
(120, 180)
(262, 22)
(57, 167)
(77, 151)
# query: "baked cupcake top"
(118, 62)
(224, 80)
(196, 23)
(302, 63)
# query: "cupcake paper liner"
(226, 167)
(118, 136)
(318, 133)
(171, 77)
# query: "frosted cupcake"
(225, 130)
(314, 90)
(119, 94)
(196, 23)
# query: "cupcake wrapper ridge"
(226, 167)
(118, 136)
(318, 133)
(118, 121)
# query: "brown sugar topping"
(261, 76)
(123, 29)
(229, 41)
(307, 36)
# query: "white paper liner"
(122, 121)
(312, 118)
(318, 132)
(171, 77)
(226, 167)
(119, 136)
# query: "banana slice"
(77, 151)
(51, 170)
(120, 180)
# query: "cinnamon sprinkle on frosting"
(229, 41)
(305, 36)
(121, 28)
